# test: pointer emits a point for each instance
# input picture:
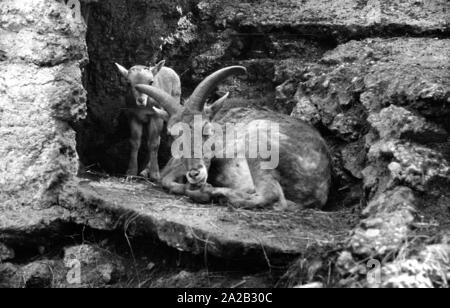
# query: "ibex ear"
(122, 70)
(213, 109)
(158, 67)
(162, 113)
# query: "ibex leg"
(173, 172)
(268, 190)
(135, 143)
(155, 129)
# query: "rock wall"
(42, 45)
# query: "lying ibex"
(303, 175)
(141, 114)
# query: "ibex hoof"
(198, 196)
(130, 179)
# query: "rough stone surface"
(387, 223)
(348, 17)
(201, 279)
(414, 165)
(221, 232)
(376, 73)
(97, 267)
(391, 93)
(37, 275)
(429, 269)
(23, 220)
(399, 123)
(304, 109)
(401, 89)
(8, 277)
(6, 253)
(40, 94)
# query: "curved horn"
(198, 98)
(166, 101)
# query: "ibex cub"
(302, 177)
(141, 113)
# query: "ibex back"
(302, 176)
(142, 116)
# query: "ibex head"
(140, 75)
(196, 106)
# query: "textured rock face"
(43, 46)
(348, 17)
(6, 253)
(8, 278)
(387, 100)
(396, 87)
(400, 123)
(427, 270)
(198, 228)
(379, 72)
(97, 267)
(386, 225)
(404, 93)
(37, 275)
(417, 166)
(82, 266)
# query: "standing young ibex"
(141, 114)
(302, 176)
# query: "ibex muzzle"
(302, 176)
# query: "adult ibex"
(303, 175)
(141, 114)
